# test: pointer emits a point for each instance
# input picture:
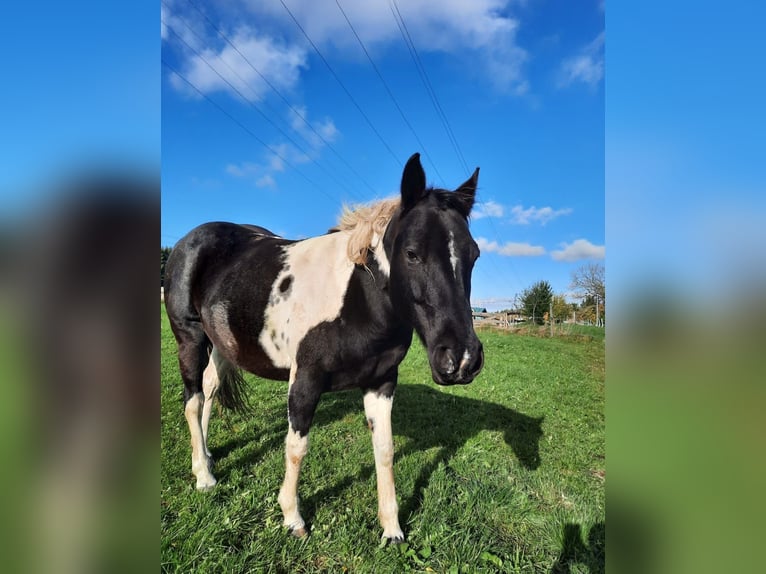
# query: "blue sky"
(520, 83)
(83, 91)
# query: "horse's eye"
(411, 255)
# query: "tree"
(590, 312)
(588, 283)
(561, 309)
(536, 301)
(164, 254)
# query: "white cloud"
(587, 66)
(487, 209)
(316, 133)
(542, 215)
(276, 160)
(579, 249)
(265, 181)
(482, 31)
(224, 69)
(244, 169)
(510, 249)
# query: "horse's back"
(204, 251)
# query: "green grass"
(503, 475)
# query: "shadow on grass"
(430, 418)
(244, 448)
(576, 551)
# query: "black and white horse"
(327, 313)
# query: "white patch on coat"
(320, 271)
(377, 409)
(380, 255)
(452, 254)
(211, 381)
(296, 447)
(466, 359)
(200, 460)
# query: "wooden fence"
(500, 320)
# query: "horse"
(327, 313)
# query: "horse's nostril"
(447, 361)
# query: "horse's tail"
(231, 392)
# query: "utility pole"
(598, 322)
(550, 315)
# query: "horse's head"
(431, 254)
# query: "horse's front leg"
(377, 408)
(301, 403)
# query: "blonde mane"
(366, 224)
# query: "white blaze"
(452, 254)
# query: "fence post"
(550, 316)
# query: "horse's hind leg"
(211, 381)
(193, 358)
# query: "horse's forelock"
(366, 224)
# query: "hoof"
(206, 484)
(299, 532)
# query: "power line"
(224, 62)
(388, 90)
(440, 113)
(247, 130)
(278, 93)
(342, 85)
(252, 104)
(426, 81)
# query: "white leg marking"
(378, 412)
(452, 254)
(210, 382)
(296, 448)
(200, 461)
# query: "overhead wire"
(342, 85)
(402, 25)
(256, 108)
(413, 53)
(279, 94)
(389, 92)
(427, 82)
(247, 130)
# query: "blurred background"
(79, 337)
(686, 269)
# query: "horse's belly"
(255, 360)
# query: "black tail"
(232, 392)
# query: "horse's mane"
(366, 224)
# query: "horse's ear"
(466, 193)
(413, 182)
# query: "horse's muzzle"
(451, 368)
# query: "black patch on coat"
(285, 284)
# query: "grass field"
(503, 475)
